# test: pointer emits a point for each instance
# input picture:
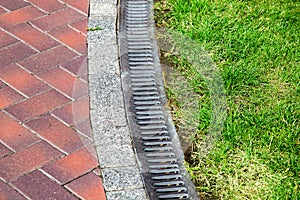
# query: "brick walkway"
(46, 149)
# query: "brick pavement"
(46, 149)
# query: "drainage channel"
(155, 140)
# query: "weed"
(97, 28)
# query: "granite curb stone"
(121, 176)
(137, 194)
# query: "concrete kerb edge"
(121, 176)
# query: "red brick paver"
(58, 134)
(73, 165)
(79, 4)
(8, 96)
(13, 5)
(27, 159)
(46, 142)
(37, 105)
(15, 52)
(7, 192)
(50, 6)
(19, 16)
(22, 80)
(61, 17)
(80, 187)
(80, 26)
(71, 38)
(74, 113)
(14, 134)
(4, 151)
(6, 39)
(33, 37)
(77, 67)
(36, 185)
(46, 59)
(2, 11)
(65, 82)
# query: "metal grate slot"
(153, 127)
(140, 59)
(165, 171)
(154, 133)
(164, 166)
(146, 98)
(143, 80)
(173, 189)
(158, 149)
(174, 196)
(164, 143)
(148, 117)
(169, 184)
(157, 138)
(150, 113)
(167, 177)
(144, 89)
(160, 154)
(163, 160)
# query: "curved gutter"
(156, 143)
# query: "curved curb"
(121, 177)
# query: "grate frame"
(156, 143)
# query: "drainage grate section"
(155, 140)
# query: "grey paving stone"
(138, 194)
(111, 115)
(105, 23)
(117, 156)
(105, 134)
(108, 111)
(105, 91)
(103, 59)
(101, 36)
(121, 178)
(97, 67)
(107, 34)
(104, 1)
(103, 9)
(105, 50)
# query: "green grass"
(255, 46)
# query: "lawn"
(255, 48)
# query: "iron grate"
(154, 137)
